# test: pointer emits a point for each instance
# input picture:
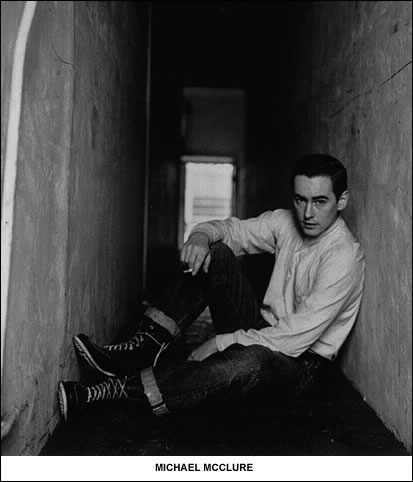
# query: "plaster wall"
(77, 241)
(353, 100)
(107, 167)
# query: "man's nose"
(308, 212)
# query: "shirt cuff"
(224, 341)
(204, 229)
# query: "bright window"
(208, 192)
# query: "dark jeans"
(236, 370)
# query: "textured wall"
(37, 305)
(76, 261)
(106, 172)
(353, 100)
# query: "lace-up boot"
(74, 396)
(126, 358)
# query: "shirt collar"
(328, 233)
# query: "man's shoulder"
(282, 216)
(345, 247)
(347, 239)
(282, 221)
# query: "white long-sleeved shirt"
(315, 288)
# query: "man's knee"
(220, 250)
(250, 358)
(222, 257)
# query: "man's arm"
(337, 287)
(250, 236)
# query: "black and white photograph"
(206, 240)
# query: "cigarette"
(188, 270)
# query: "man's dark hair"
(313, 165)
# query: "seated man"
(308, 310)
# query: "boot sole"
(84, 353)
(62, 401)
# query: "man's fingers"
(206, 263)
(185, 253)
(182, 254)
(194, 256)
(194, 355)
(189, 254)
(199, 259)
(204, 351)
(192, 259)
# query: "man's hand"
(203, 351)
(195, 252)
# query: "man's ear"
(342, 202)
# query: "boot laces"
(163, 347)
(133, 343)
(113, 388)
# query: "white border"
(306, 468)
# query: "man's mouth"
(309, 225)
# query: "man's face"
(315, 204)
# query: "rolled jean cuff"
(224, 341)
(159, 317)
(151, 390)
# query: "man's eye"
(299, 201)
(320, 202)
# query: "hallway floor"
(333, 421)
